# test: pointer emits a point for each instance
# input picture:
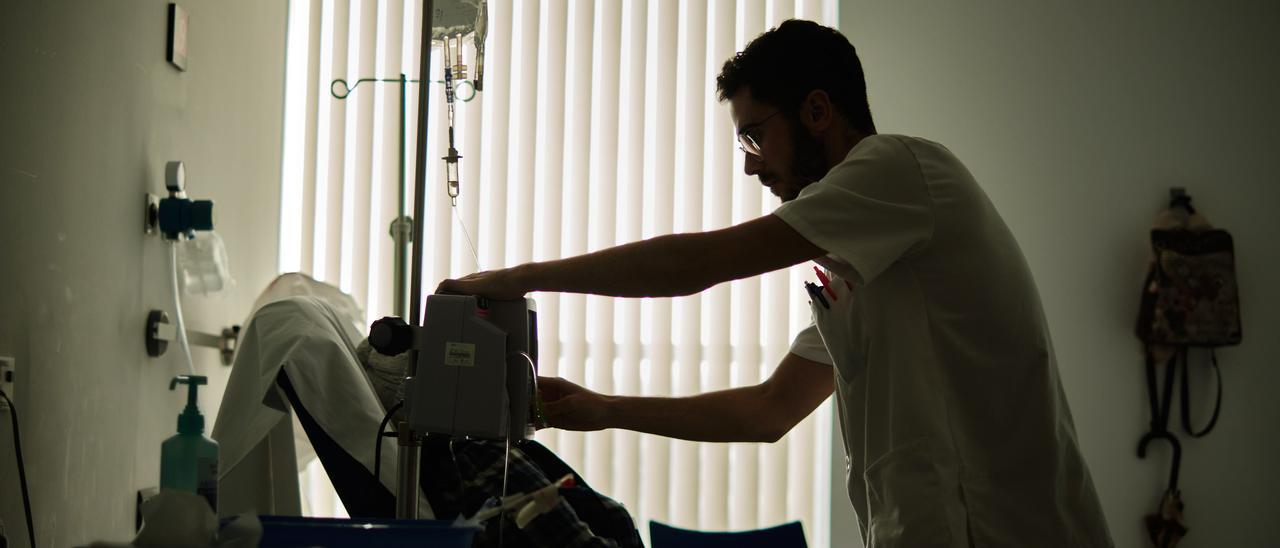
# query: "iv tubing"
(474, 256)
(177, 305)
(506, 462)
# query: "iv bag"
(459, 17)
(454, 18)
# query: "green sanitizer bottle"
(189, 460)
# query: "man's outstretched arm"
(665, 266)
(760, 413)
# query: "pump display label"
(460, 354)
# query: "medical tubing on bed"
(506, 462)
(22, 470)
(177, 306)
(382, 432)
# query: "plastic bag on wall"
(203, 267)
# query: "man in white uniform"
(956, 429)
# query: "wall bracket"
(160, 332)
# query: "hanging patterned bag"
(1190, 299)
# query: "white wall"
(1077, 117)
(89, 113)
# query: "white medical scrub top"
(955, 425)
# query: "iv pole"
(402, 226)
(411, 443)
(405, 231)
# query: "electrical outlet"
(8, 374)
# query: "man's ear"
(816, 112)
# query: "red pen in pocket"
(826, 282)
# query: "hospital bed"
(298, 391)
(297, 356)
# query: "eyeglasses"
(748, 141)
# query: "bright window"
(598, 125)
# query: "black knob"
(200, 213)
(390, 336)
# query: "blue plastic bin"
(287, 531)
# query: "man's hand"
(571, 407)
(503, 285)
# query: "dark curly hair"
(783, 65)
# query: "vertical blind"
(597, 125)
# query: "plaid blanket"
(459, 476)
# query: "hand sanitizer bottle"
(189, 460)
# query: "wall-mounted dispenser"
(177, 215)
(198, 264)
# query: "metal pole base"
(407, 472)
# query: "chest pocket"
(837, 322)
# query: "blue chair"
(788, 535)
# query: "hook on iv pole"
(340, 90)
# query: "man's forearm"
(761, 413)
(676, 264)
(666, 266)
(732, 415)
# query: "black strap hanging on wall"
(1186, 394)
(1160, 408)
